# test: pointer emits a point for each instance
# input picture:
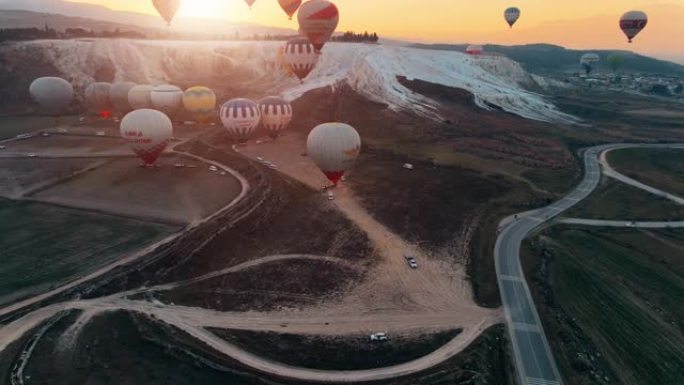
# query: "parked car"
(382, 336)
(411, 261)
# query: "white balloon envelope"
(147, 133)
(334, 148)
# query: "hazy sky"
(573, 23)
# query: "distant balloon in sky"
(333, 147)
(52, 94)
(147, 133)
(200, 102)
(167, 99)
(290, 6)
(317, 21)
(588, 60)
(632, 23)
(512, 15)
(118, 94)
(241, 118)
(276, 115)
(250, 3)
(140, 97)
(167, 8)
(97, 98)
(301, 56)
(474, 49)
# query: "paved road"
(534, 360)
(627, 224)
(609, 171)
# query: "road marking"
(510, 278)
(540, 381)
(534, 328)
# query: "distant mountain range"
(552, 59)
(140, 20)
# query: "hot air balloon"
(200, 102)
(474, 49)
(300, 56)
(290, 6)
(588, 60)
(512, 15)
(97, 98)
(167, 99)
(317, 21)
(284, 65)
(632, 23)
(147, 133)
(276, 115)
(118, 94)
(241, 118)
(140, 97)
(333, 147)
(167, 8)
(250, 3)
(52, 94)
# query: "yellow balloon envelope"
(284, 66)
(200, 102)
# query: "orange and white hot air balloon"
(317, 21)
(632, 22)
(147, 132)
(290, 6)
(333, 147)
(167, 8)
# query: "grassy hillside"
(612, 304)
(546, 58)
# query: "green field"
(42, 245)
(623, 289)
(659, 168)
(618, 201)
(11, 126)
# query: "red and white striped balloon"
(301, 56)
(632, 22)
(276, 115)
(318, 20)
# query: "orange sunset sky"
(574, 24)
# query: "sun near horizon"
(579, 24)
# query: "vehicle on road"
(379, 337)
(411, 261)
(213, 168)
